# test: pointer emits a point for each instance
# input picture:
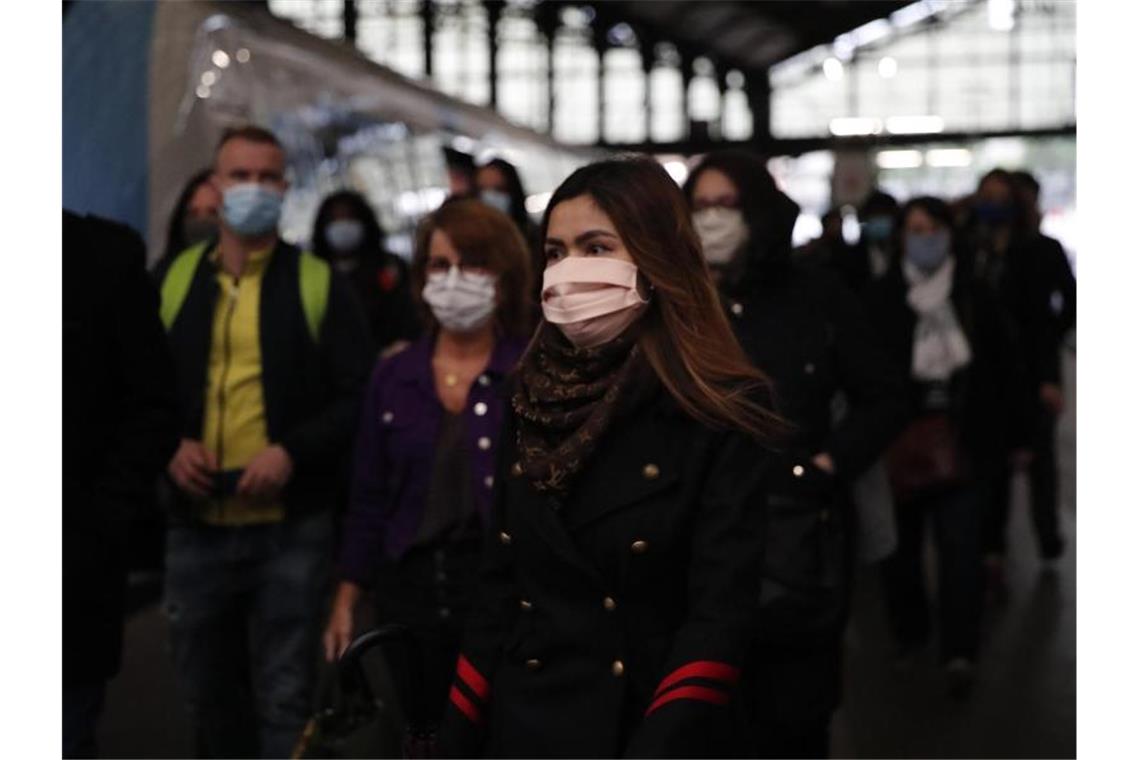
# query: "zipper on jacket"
(231, 307)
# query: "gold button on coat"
(650, 471)
(639, 547)
(523, 603)
(609, 604)
(798, 471)
(516, 469)
(533, 664)
(617, 668)
(504, 537)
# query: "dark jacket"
(384, 290)
(396, 446)
(1036, 285)
(803, 328)
(987, 398)
(120, 427)
(312, 390)
(618, 623)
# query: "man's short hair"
(1025, 179)
(249, 132)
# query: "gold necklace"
(450, 379)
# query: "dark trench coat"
(617, 623)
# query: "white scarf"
(940, 346)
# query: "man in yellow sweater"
(272, 354)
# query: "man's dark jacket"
(312, 389)
(119, 430)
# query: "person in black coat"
(619, 585)
(120, 425)
(966, 398)
(808, 332)
(347, 234)
(1032, 277)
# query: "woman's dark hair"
(175, 239)
(518, 212)
(770, 215)
(484, 237)
(685, 337)
(372, 243)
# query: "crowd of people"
(614, 470)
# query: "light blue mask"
(496, 199)
(251, 210)
(927, 251)
(345, 235)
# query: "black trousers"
(955, 514)
(1042, 490)
(430, 590)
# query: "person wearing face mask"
(953, 340)
(272, 354)
(428, 438)
(498, 184)
(619, 577)
(195, 216)
(811, 336)
(1034, 282)
(347, 234)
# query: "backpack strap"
(176, 283)
(315, 276)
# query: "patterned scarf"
(565, 400)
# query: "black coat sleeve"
(345, 354)
(463, 731)
(875, 388)
(144, 433)
(690, 715)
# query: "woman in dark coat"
(619, 590)
(347, 234)
(810, 334)
(966, 402)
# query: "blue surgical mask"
(496, 199)
(993, 213)
(878, 229)
(345, 235)
(927, 251)
(251, 210)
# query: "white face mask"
(344, 235)
(496, 199)
(723, 232)
(461, 301)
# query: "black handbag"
(352, 721)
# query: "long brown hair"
(484, 237)
(685, 334)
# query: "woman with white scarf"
(963, 363)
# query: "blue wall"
(106, 71)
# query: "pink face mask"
(592, 300)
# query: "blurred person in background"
(877, 225)
(195, 216)
(806, 331)
(424, 474)
(460, 173)
(618, 586)
(1034, 282)
(120, 428)
(272, 354)
(347, 234)
(499, 185)
(949, 334)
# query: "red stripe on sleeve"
(474, 680)
(464, 704)
(715, 671)
(699, 693)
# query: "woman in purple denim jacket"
(423, 474)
